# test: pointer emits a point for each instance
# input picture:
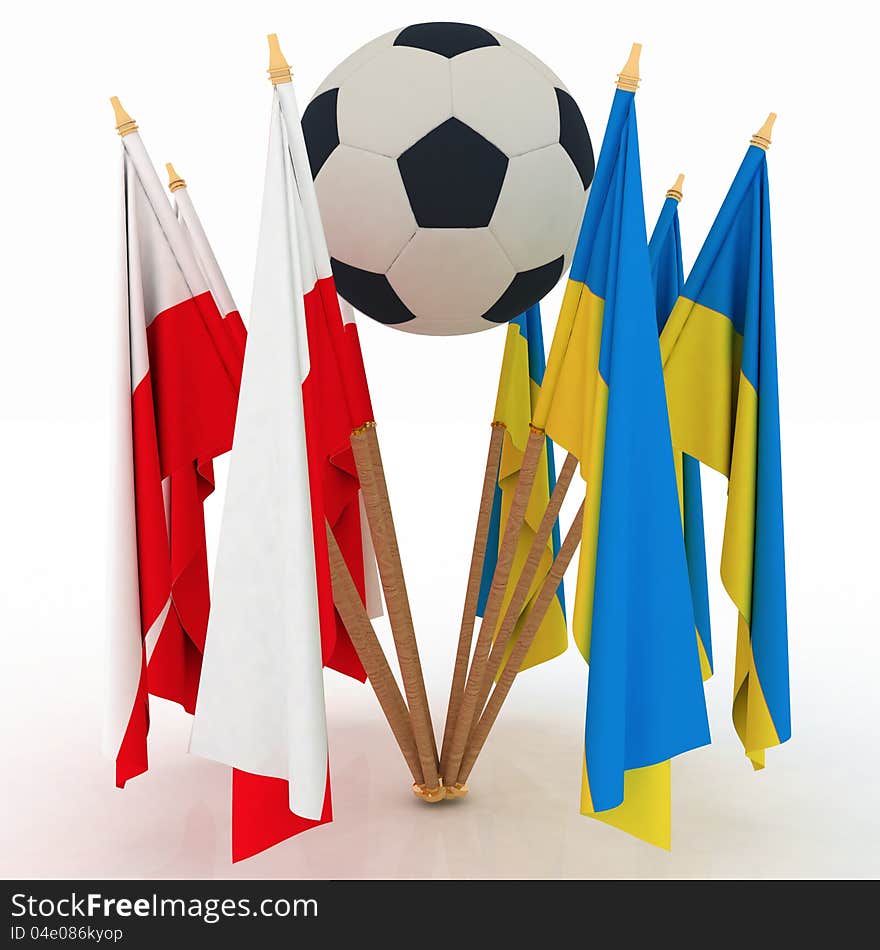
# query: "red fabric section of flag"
(348, 354)
(154, 577)
(334, 487)
(261, 815)
(194, 392)
(195, 366)
(176, 663)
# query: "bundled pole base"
(430, 795)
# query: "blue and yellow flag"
(667, 275)
(603, 400)
(522, 372)
(719, 357)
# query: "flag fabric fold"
(603, 400)
(522, 371)
(719, 356)
(261, 703)
(667, 275)
(175, 412)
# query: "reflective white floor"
(812, 812)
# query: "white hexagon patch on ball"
(452, 169)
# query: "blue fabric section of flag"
(530, 327)
(667, 277)
(722, 275)
(667, 268)
(645, 700)
(591, 252)
(491, 558)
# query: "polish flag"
(174, 411)
(261, 702)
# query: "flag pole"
(524, 582)
(368, 461)
(506, 551)
(534, 618)
(354, 615)
(472, 591)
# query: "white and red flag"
(174, 411)
(261, 701)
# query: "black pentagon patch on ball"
(370, 293)
(453, 177)
(574, 137)
(320, 129)
(525, 290)
(445, 39)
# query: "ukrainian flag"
(719, 357)
(522, 372)
(667, 275)
(603, 400)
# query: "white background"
(193, 75)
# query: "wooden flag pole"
(506, 551)
(369, 651)
(536, 615)
(472, 591)
(525, 581)
(368, 460)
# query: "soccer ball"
(452, 168)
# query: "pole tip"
(125, 124)
(676, 190)
(279, 68)
(761, 138)
(175, 182)
(628, 78)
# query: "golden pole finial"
(761, 138)
(279, 68)
(628, 78)
(125, 124)
(675, 191)
(175, 182)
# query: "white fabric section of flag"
(303, 173)
(123, 652)
(347, 311)
(261, 700)
(192, 225)
(168, 237)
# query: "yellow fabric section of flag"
(751, 715)
(701, 354)
(713, 414)
(564, 404)
(572, 409)
(517, 393)
(646, 810)
(705, 665)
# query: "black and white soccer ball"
(452, 169)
